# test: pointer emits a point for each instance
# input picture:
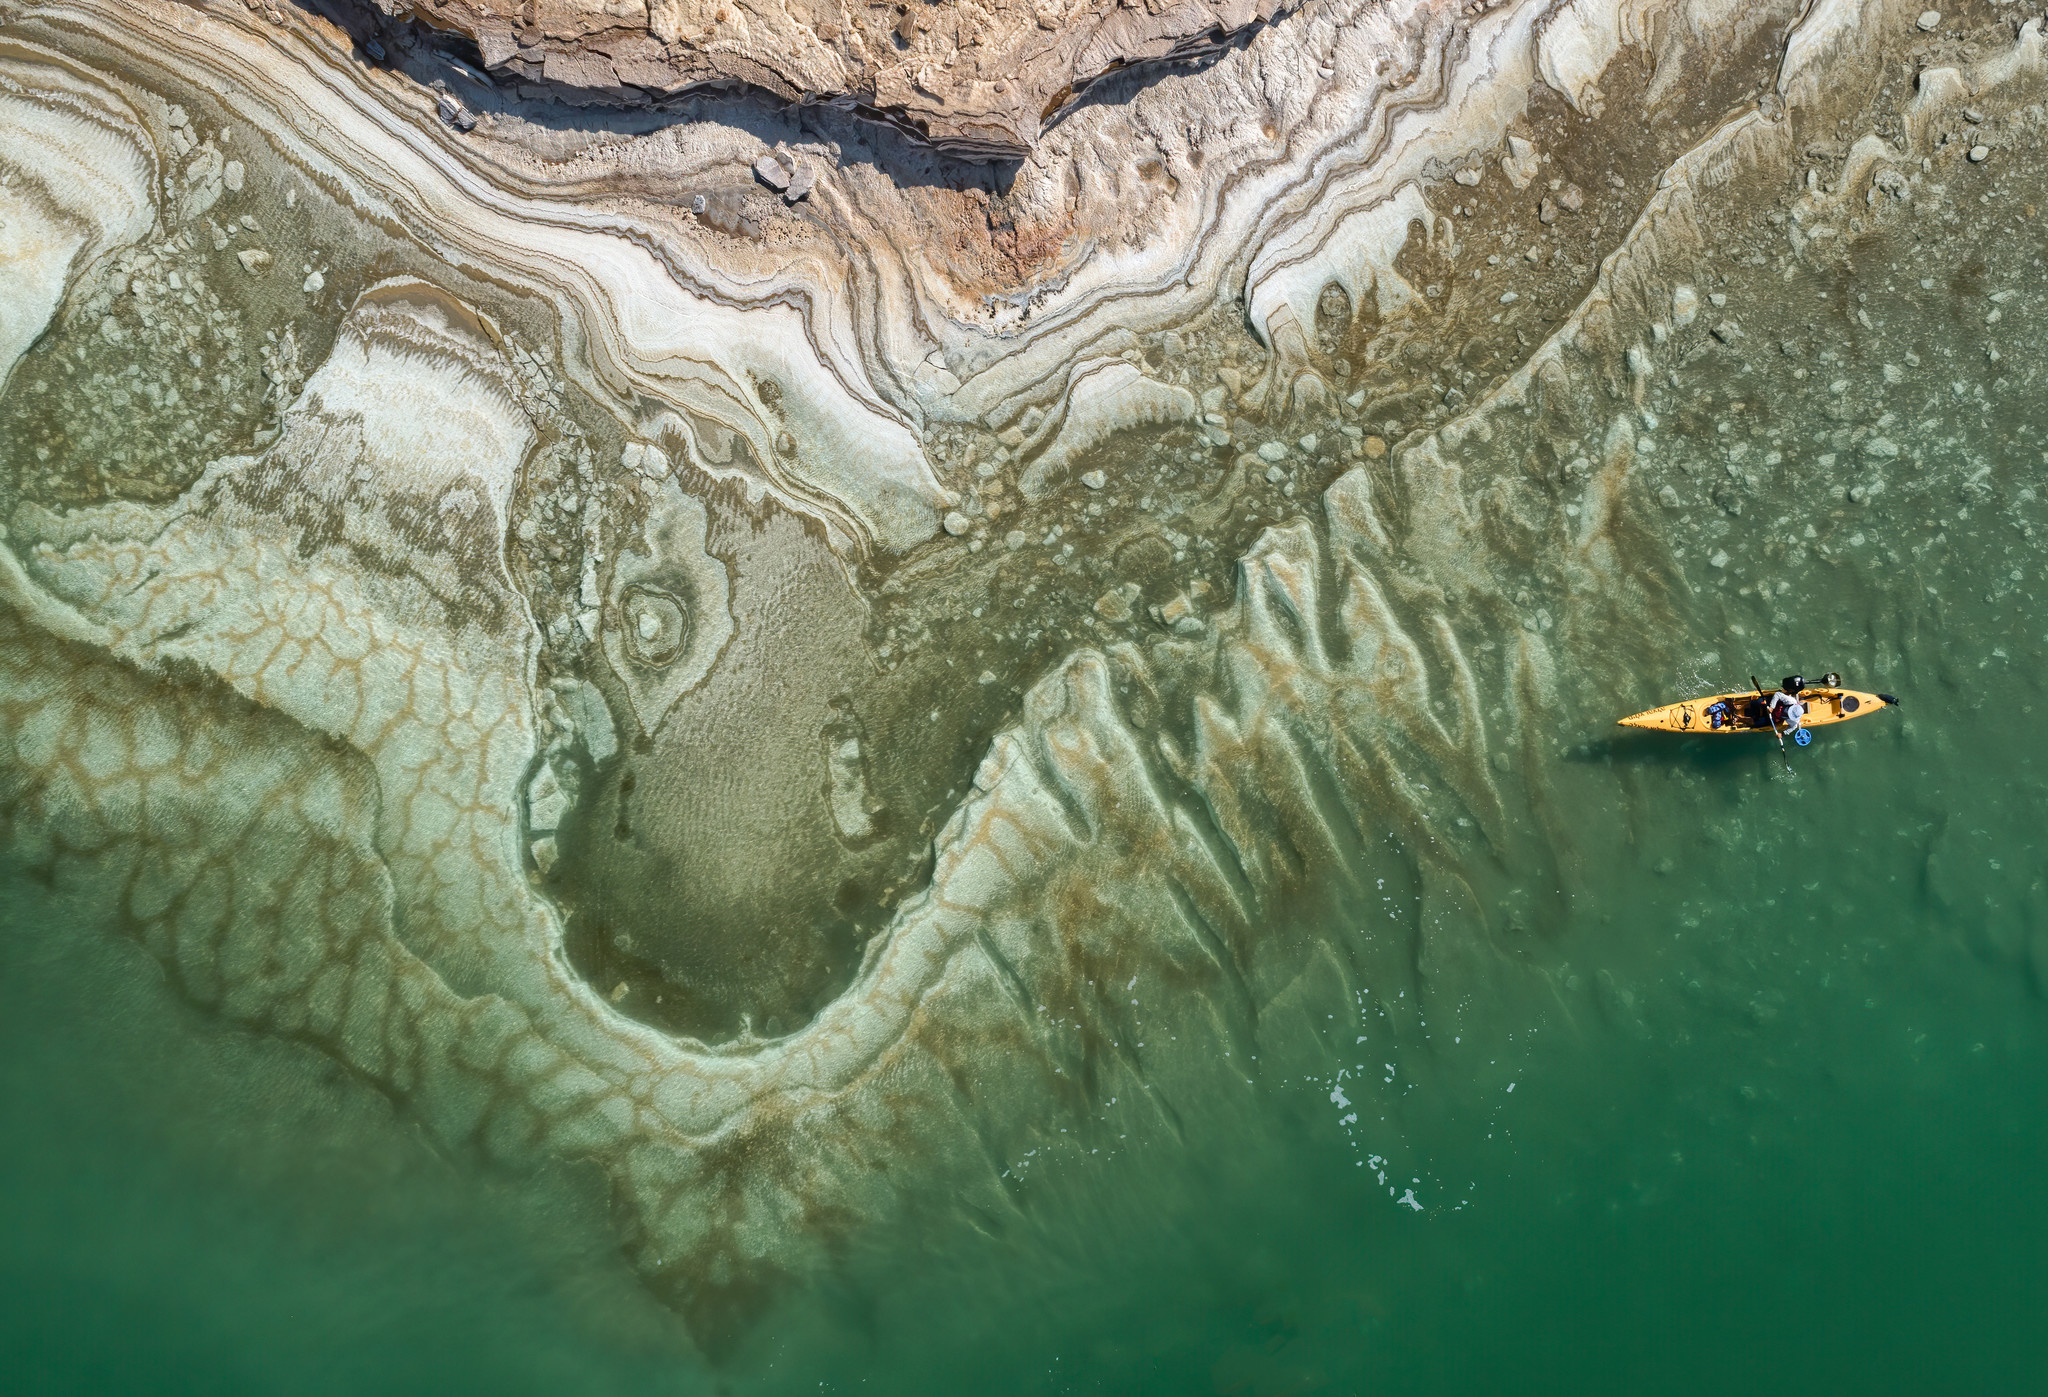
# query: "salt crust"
(448, 985)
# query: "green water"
(1805, 1160)
(1761, 1109)
(1748, 1095)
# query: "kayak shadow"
(1701, 753)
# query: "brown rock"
(978, 80)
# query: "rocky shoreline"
(989, 590)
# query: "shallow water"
(1760, 1105)
(1769, 1119)
(1707, 1067)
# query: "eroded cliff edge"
(979, 80)
(1377, 363)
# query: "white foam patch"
(1358, 255)
(1104, 397)
(428, 418)
(1575, 48)
(1822, 30)
(849, 446)
(70, 188)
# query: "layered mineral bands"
(288, 715)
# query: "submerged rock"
(380, 648)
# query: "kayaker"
(1785, 707)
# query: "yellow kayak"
(1823, 706)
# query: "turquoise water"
(1804, 1159)
(1739, 1088)
(1760, 1107)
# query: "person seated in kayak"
(1785, 707)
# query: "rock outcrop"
(293, 715)
(976, 80)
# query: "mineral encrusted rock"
(980, 80)
(294, 716)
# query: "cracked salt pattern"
(555, 542)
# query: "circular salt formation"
(657, 625)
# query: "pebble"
(313, 283)
(1308, 443)
(1014, 540)
(1115, 606)
(1929, 21)
(1273, 451)
(1719, 560)
(1881, 449)
(254, 260)
(1275, 475)
(1979, 154)
(771, 173)
(1375, 447)
(1520, 164)
(1685, 305)
(233, 175)
(455, 114)
(957, 523)
(1468, 176)
(1094, 480)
